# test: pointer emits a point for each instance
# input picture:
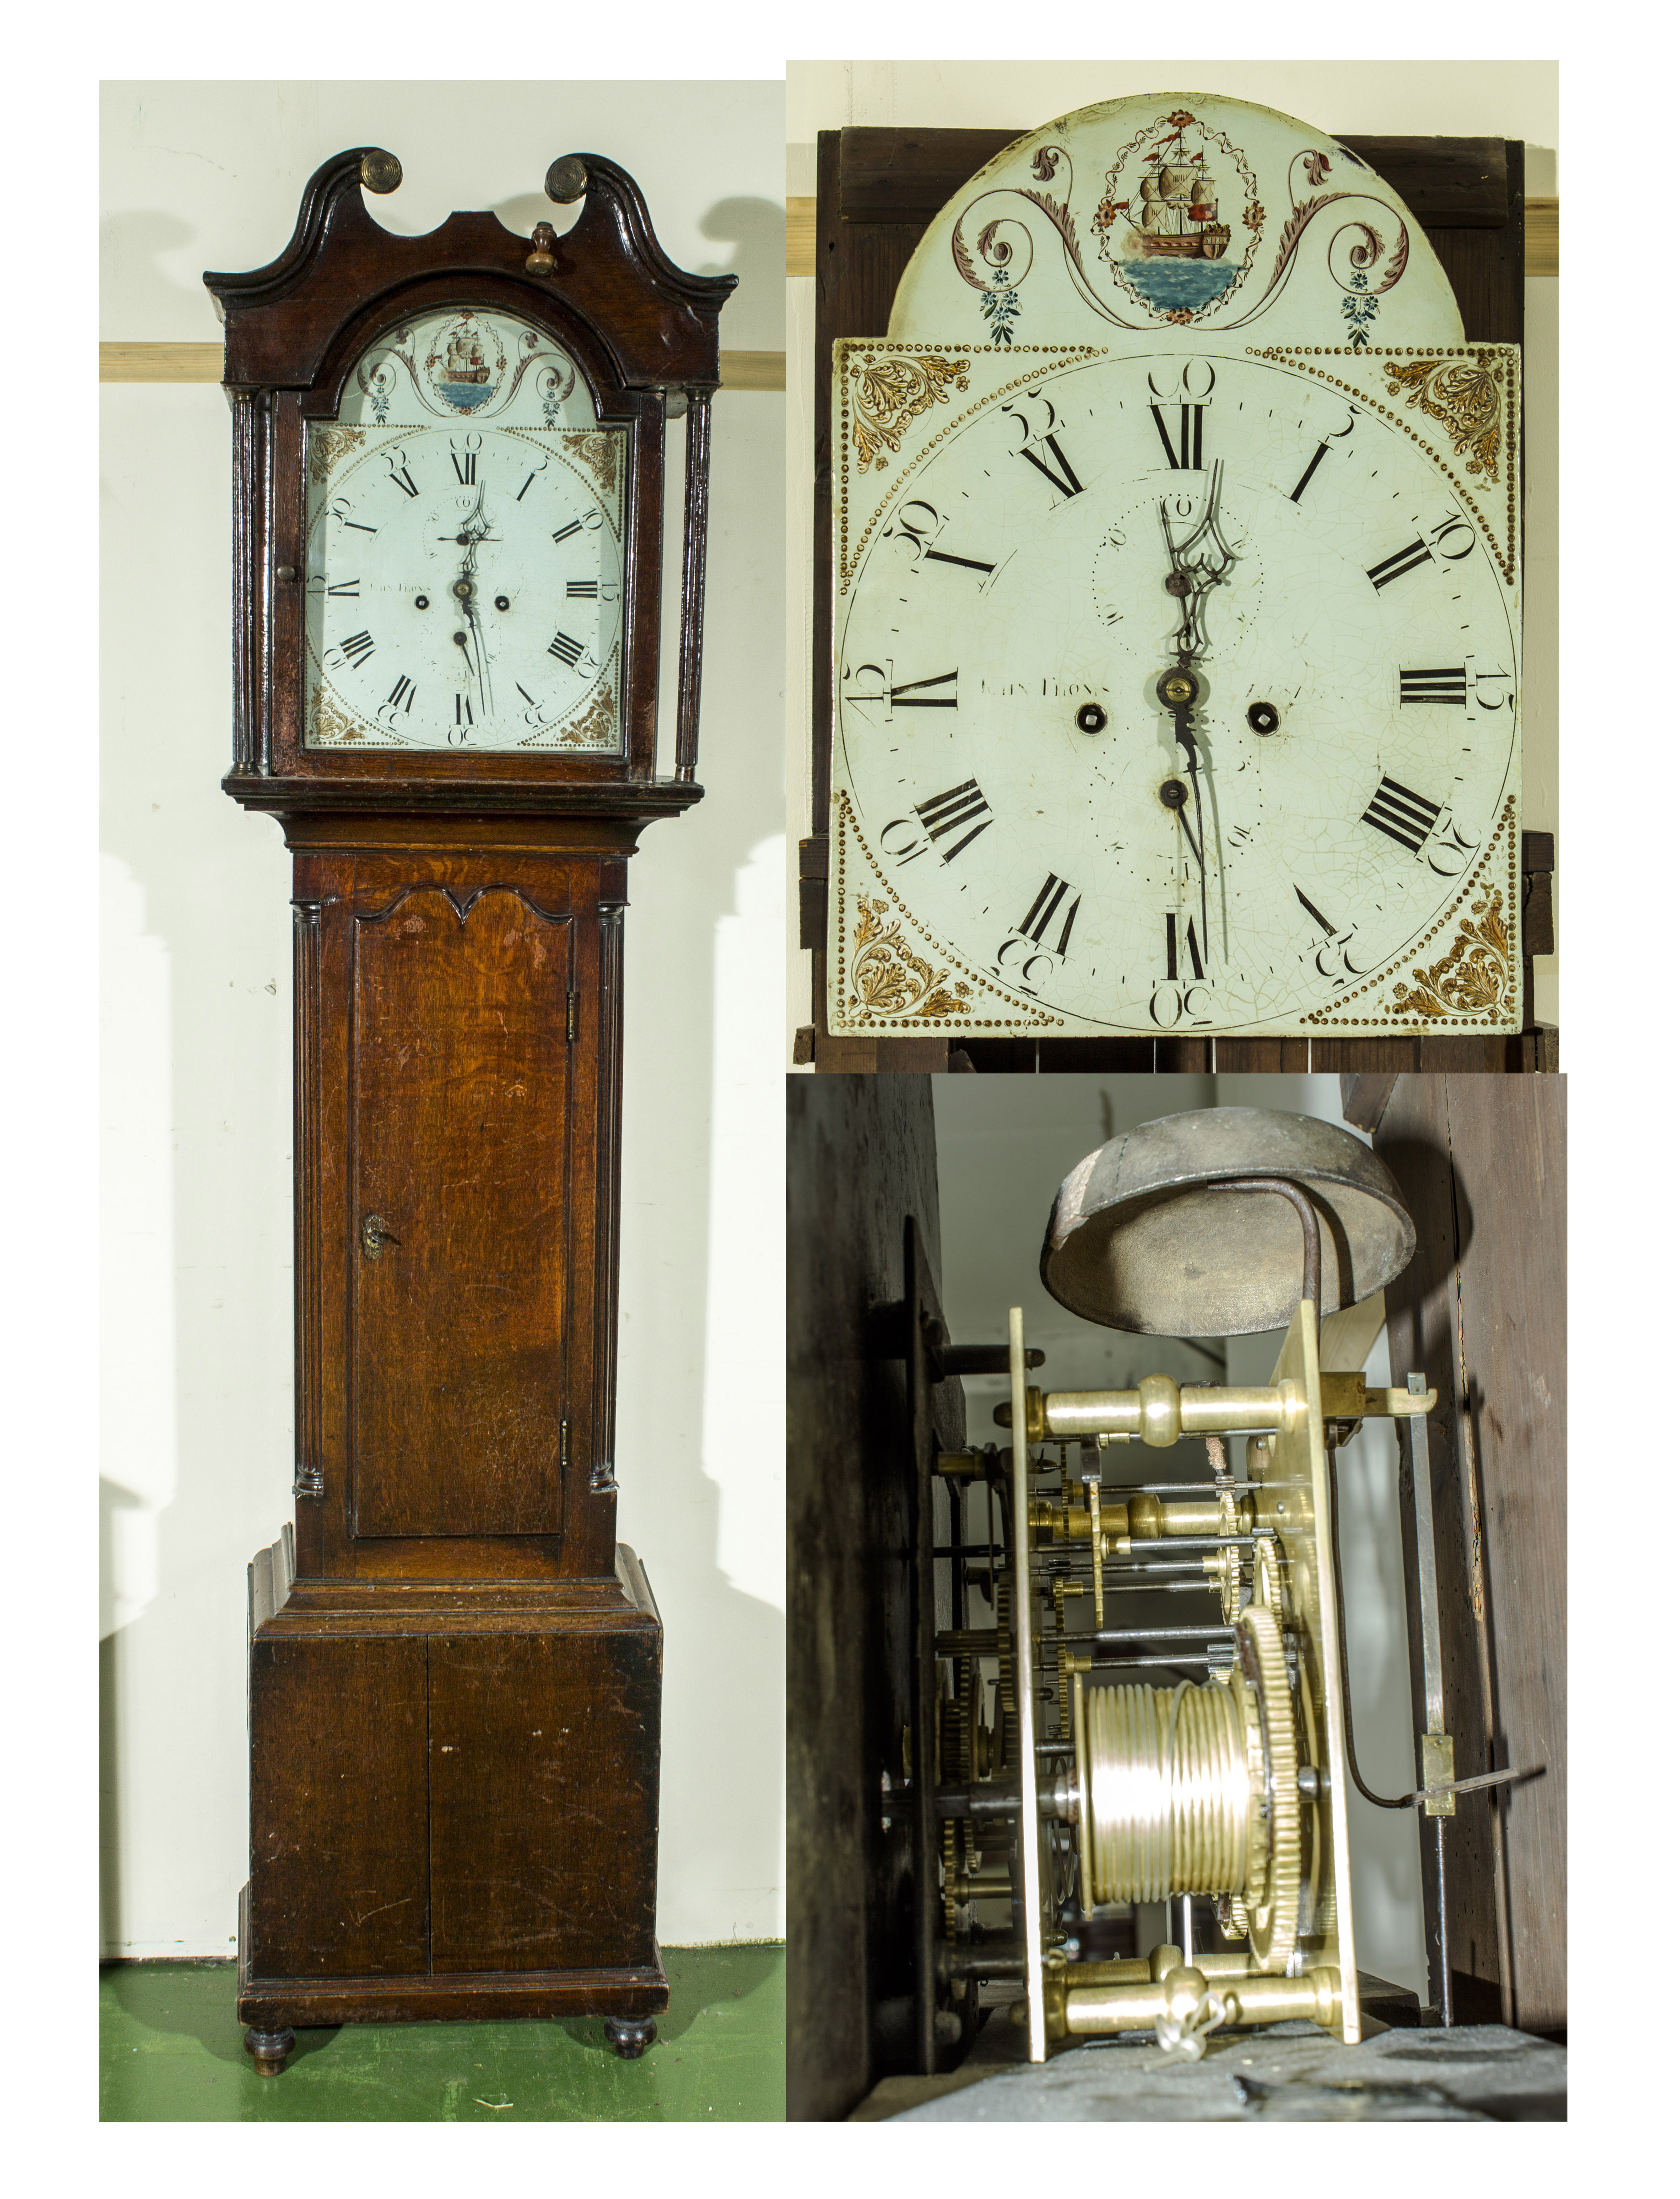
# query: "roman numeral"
(904, 697)
(1317, 915)
(565, 649)
(1038, 918)
(947, 812)
(401, 697)
(1312, 467)
(1061, 476)
(358, 648)
(583, 587)
(359, 528)
(466, 467)
(1189, 946)
(1402, 561)
(345, 588)
(1188, 457)
(529, 478)
(531, 699)
(403, 480)
(1406, 817)
(563, 533)
(1447, 684)
(944, 557)
(464, 716)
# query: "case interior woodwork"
(454, 1667)
(878, 189)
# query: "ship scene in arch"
(1163, 224)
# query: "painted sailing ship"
(1178, 218)
(464, 361)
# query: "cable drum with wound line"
(1170, 1791)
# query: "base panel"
(273, 2004)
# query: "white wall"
(1005, 1144)
(1361, 98)
(196, 1106)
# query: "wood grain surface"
(1480, 1163)
(460, 1103)
(859, 1158)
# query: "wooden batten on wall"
(202, 362)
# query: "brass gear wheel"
(1006, 1745)
(1268, 1589)
(1275, 1917)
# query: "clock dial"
(1174, 693)
(464, 568)
(464, 589)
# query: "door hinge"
(571, 1018)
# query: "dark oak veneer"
(454, 1665)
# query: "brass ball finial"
(539, 260)
(382, 172)
(567, 180)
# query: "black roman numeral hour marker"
(1316, 914)
(1038, 918)
(403, 480)
(359, 528)
(345, 588)
(563, 533)
(464, 716)
(529, 478)
(583, 587)
(358, 648)
(565, 649)
(1446, 683)
(466, 467)
(1406, 817)
(401, 697)
(945, 813)
(1312, 467)
(1188, 457)
(944, 557)
(1189, 946)
(1061, 476)
(1402, 561)
(904, 699)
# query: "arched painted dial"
(464, 591)
(1042, 796)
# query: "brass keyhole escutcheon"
(376, 1236)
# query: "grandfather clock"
(449, 475)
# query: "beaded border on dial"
(847, 562)
(848, 1019)
(1508, 1012)
(1292, 355)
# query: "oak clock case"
(1176, 613)
(450, 458)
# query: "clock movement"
(1066, 1763)
(449, 479)
(1173, 631)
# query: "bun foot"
(631, 2036)
(269, 2050)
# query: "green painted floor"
(171, 2051)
